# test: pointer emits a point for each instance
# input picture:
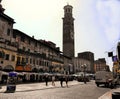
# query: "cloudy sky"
(97, 22)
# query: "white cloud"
(109, 14)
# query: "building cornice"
(6, 17)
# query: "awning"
(23, 68)
(27, 68)
(19, 68)
(8, 68)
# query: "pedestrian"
(66, 80)
(46, 80)
(61, 81)
(53, 80)
(0, 79)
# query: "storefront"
(8, 68)
(26, 68)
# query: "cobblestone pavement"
(38, 86)
(41, 91)
(28, 90)
(108, 95)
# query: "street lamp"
(84, 70)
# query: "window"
(7, 57)
(29, 42)
(1, 62)
(28, 50)
(24, 48)
(9, 23)
(8, 32)
(1, 54)
(40, 62)
(18, 60)
(35, 44)
(22, 38)
(46, 63)
(13, 58)
(68, 10)
(14, 35)
(30, 61)
(33, 61)
(23, 60)
(37, 62)
(26, 60)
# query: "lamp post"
(84, 70)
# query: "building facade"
(78, 65)
(20, 52)
(68, 32)
(87, 55)
(8, 50)
(69, 69)
(100, 65)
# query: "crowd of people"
(26, 77)
(61, 79)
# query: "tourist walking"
(46, 80)
(66, 80)
(53, 80)
(61, 81)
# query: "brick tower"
(68, 32)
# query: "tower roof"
(1, 8)
(68, 6)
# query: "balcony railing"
(43, 55)
(9, 47)
(20, 63)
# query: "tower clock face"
(72, 35)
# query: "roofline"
(7, 17)
(37, 40)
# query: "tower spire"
(1, 9)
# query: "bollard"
(116, 95)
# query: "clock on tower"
(72, 35)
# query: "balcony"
(55, 58)
(7, 46)
(20, 63)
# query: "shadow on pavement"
(42, 88)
